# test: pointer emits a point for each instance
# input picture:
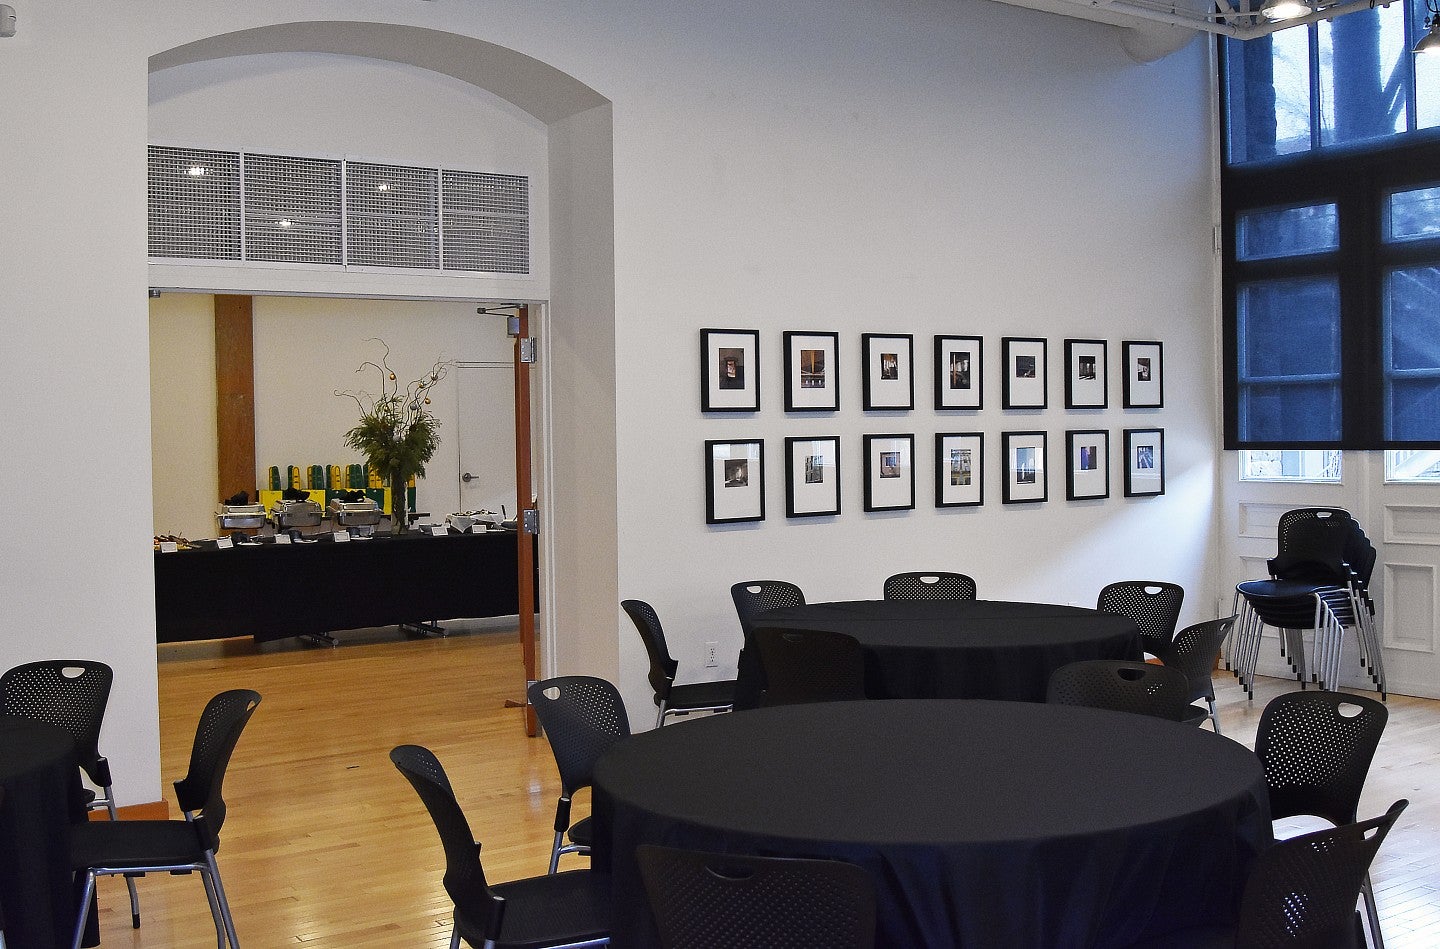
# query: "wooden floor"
(327, 846)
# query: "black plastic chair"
(1316, 757)
(2, 906)
(583, 717)
(564, 909)
(1153, 604)
(1301, 893)
(929, 586)
(810, 665)
(1143, 688)
(71, 694)
(1194, 651)
(734, 901)
(1319, 580)
(108, 848)
(672, 699)
(752, 598)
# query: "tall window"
(1331, 203)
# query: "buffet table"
(42, 799)
(981, 823)
(272, 591)
(964, 649)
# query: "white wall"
(780, 165)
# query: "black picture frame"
(1025, 466)
(1087, 464)
(1025, 380)
(1087, 374)
(959, 469)
(812, 372)
(734, 465)
(889, 371)
(959, 372)
(889, 472)
(1144, 385)
(1144, 462)
(729, 370)
(812, 476)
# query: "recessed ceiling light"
(196, 171)
(383, 186)
(283, 222)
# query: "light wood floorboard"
(327, 846)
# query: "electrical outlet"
(710, 649)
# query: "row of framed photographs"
(735, 471)
(730, 372)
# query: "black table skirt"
(271, 591)
(42, 799)
(964, 649)
(983, 824)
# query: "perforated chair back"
(583, 717)
(1139, 687)
(1153, 604)
(756, 596)
(464, 878)
(1316, 545)
(929, 586)
(216, 735)
(1195, 651)
(69, 693)
(1316, 748)
(733, 901)
(1302, 892)
(810, 665)
(652, 634)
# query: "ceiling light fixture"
(196, 171)
(283, 222)
(1430, 42)
(1278, 10)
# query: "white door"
(486, 421)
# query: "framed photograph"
(1087, 464)
(889, 472)
(734, 481)
(730, 370)
(1024, 382)
(812, 476)
(889, 371)
(1144, 462)
(1086, 375)
(812, 372)
(1144, 376)
(959, 469)
(958, 372)
(1024, 467)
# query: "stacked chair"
(1319, 580)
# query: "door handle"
(467, 477)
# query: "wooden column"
(523, 490)
(235, 395)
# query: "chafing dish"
(365, 513)
(288, 514)
(241, 517)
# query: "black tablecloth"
(983, 824)
(965, 649)
(42, 798)
(271, 591)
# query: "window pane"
(1290, 413)
(1275, 465)
(1412, 464)
(1268, 86)
(1412, 354)
(1413, 215)
(1289, 328)
(1286, 232)
(1363, 74)
(1427, 74)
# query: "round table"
(42, 798)
(982, 823)
(965, 649)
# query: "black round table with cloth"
(42, 798)
(983, 824)
(964, 649)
